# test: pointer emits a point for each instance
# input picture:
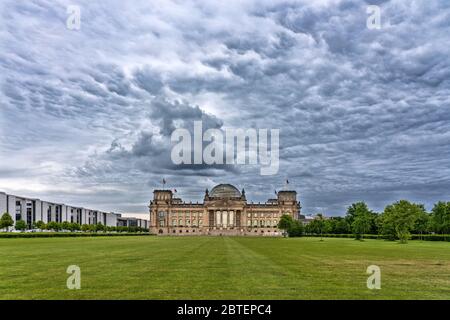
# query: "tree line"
(6, 221)
(398, 221)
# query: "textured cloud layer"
(86, 115)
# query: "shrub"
(66, 234)
(55, 226)
(296, 229)
(39, 225)
(20, 225)
(65, 225)
(99, 227)
(74, 226)
(6, 221)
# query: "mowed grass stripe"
(419, 269)
(222, 268)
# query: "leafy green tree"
(327, 226)
(285, 222)
(317, 226)
(74, 226)
(361, 225)
(65, 225)
(20, 225)
(85, 227)
(440, 217)
(53, 225)
(296, 229)
(399, 219)
(332, 224)
(99, 227)
(360, 219)
(39, 225)
(356, 209)
(374, 227)
(422, 223)
(341, 226)
(379, 223)
(6, 221)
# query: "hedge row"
(431, 237)
(327, 235)
(68, 234)
(426, 237)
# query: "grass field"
(222, 268)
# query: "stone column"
(225, 219)
(218, 219)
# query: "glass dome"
(225, 191)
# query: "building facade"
(32, 210)
(132, 222)
(224, 211)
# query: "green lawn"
(222, 268)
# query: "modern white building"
(32, 210)
(132, 222)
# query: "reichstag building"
(224, 211)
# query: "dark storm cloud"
(363, 114)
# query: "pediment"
(224, 203)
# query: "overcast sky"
(364, 114)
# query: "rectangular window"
(29, 217)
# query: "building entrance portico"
(224, 218)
